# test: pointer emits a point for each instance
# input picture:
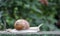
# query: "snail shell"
(21, 24)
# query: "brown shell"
(21, 24)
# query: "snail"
(31, 29)
(22, 26)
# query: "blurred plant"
(33, 11)
(2, 25)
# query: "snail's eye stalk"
(40, 25)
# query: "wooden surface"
(41, 32)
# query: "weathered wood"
(41, 32)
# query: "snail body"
(19, 28)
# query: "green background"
(31, 10)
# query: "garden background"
(33, 11)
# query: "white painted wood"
(31, 29)
(41, 32)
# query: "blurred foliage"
(31, 10)
(30, 34)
